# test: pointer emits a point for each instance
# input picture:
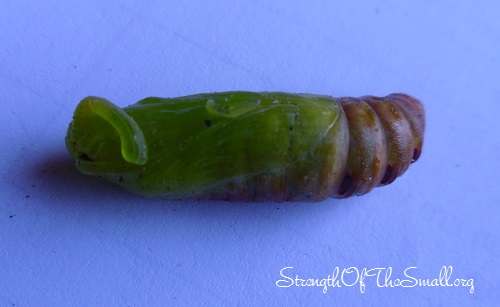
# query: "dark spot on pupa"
(416, 155)
(388, 176)
(346, 185)
(208, 122)
(84, 157)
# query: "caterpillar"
(248, 146)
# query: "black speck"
(208, 122)
(388, 176)
(121, 179)
(416, 155)
(27, 196)
(11, 216)
(84, 157)
(346, 185)
(291, 128)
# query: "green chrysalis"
(248, 146)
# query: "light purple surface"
(69, 239)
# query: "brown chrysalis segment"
(414, 113)
(399, 137)
(367, 160)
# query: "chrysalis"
(248, 146)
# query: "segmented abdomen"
(385, 137)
